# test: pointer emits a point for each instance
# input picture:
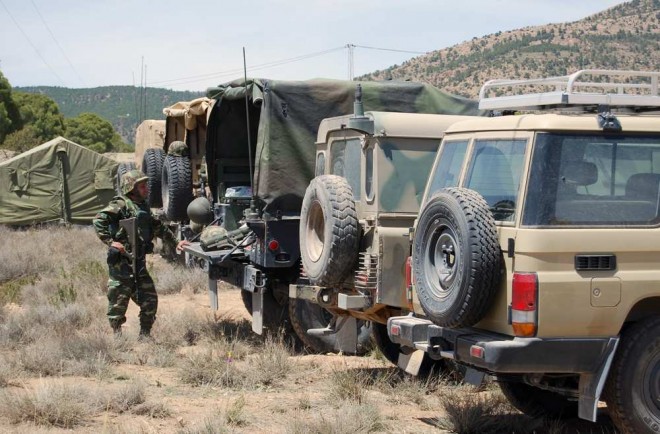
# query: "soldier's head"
(134, 184)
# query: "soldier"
(122, 286)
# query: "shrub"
(49, 404)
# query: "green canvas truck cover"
(56, 181)
(284, 120)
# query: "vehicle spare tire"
(121, 170)
(152, 166)
(329, 233)
(305, 315)
(456, 258)
(176, 187)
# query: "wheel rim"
(314, 232)
(442, 261)
(651, 385)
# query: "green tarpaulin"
(56, 181)
(284, 120)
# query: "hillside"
(116, 104)
(626, 36)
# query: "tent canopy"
(56, 181)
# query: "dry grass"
(126, 398)
(348, 418)
(470, 412)
(212, 425)
(49, 404)
(173, 280)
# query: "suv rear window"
(494, 171)
(594, 180)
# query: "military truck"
(260, 155)
(371, 170)
(535, 254)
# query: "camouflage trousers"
(121, 290)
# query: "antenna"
(247, 117)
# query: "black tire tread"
(614, 388)
(343, 245)
(485, 259)
(178, 173)
(152, 166)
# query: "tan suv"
(536, 254)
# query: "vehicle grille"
(595, 262)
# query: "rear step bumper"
(500, 353)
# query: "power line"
(31, 43)
(201, 77)
(390, 49)
(57, 43)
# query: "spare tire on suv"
(329, 233)
(456, 258)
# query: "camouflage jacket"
(106, 224)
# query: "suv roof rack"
(637, 89)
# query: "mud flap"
(258, 311)
(213, 293)
(411, 362)
(347, 335)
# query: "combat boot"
(145, 334)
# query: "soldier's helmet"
(130, 178)
(178, 148)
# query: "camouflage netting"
(284, 120)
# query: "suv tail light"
(524, 304)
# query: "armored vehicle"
(260, 155)
(535, 255)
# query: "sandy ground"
(304, 393)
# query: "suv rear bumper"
(501, 353)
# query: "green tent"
(58, 181)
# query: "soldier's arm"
(163, 232)
(106, 222)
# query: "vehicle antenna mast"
(247, 116)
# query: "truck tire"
(537, 402)
(456, 258)
(152, 166)
(329, 233)
(176, 187)
(632, 391)
(121, 170)
(305, 315)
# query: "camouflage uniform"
(121, 285)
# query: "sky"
(195, 44)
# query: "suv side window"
(448, 169)
(345, 160)
(494, 172)
(594, 180)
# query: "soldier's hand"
(182, 244)
(119, 246)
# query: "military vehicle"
(260, 156)
(371, 170)
(535, 254)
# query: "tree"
(93, 132)
(22, 140)
(10, 118)
(41, 113)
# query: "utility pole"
(350, 48)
